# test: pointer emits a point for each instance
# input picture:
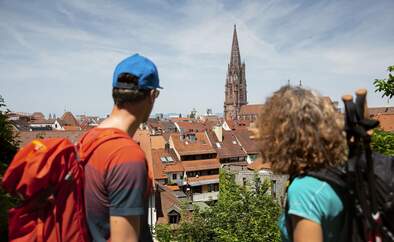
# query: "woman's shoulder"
(308, 183)
(316, 193)
(311, 185)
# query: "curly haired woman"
(302, 131)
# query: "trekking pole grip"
(361, 103)
(350, 120)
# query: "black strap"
(288, 222)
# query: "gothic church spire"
(235, 90)
(235, 59)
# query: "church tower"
(235, 90)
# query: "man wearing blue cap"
(118, 183)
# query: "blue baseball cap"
(141, 67)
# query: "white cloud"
(65, 51)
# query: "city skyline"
(60, 55)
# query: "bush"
(8, 148)
(383, 142)
(240, 214)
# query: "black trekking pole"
(357, 191)
(367, 124)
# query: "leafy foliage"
(8, 148)
(8, 142)
(383, 142)
(240, 214)
(163, 231)
(386, 86)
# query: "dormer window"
(166, 159)
(174, 217)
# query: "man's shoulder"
(125, 148)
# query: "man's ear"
(152, 95)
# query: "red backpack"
(48, 175)
(49, 178)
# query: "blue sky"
(60, 55)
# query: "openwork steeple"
(235, 94)
(235, 59)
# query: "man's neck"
(121, 119)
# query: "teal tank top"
(315, 200)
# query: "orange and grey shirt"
(116, 183)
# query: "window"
(173, 176)
(216, 187)
(166, 159)
(273, 188)
(244, 181)
(257, 184)
(210, 187)
(169, 158)
(173, 217)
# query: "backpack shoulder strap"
(336, 178)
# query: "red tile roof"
(202, 180)
(159, 168)
(210, 124)
(38, 116)
(386, 121)
(181, 120)
(176, 167)
(167, 200)
(158, 172)
(157, 141)
(69, 119)
(259, 165)
(191, 127)
(249, 109)
(173, 187)
(238, 124)
(42, 121)
(373, 111)
(143, 138)
(244, 137)
(27, 136)
(229, 147)
(201, 145)
(199, 165)
(71, 128)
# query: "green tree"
(383, 142)
(240, 214)
(8, 148)
(8, 140)
(386, 86)
(164, 232)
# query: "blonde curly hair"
(301, 130)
